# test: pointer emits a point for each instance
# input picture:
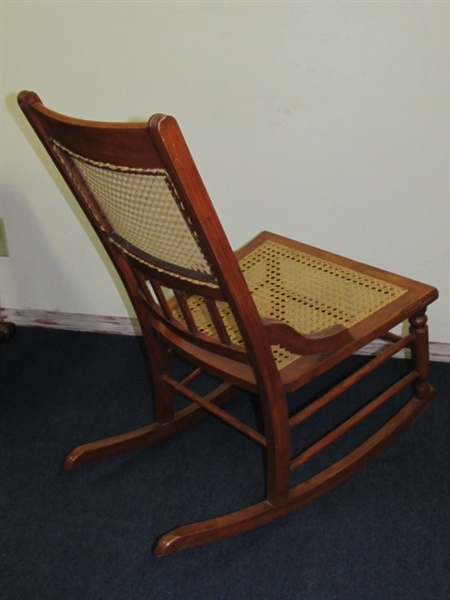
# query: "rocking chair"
(268, 319)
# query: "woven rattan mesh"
(143, 208)
(308, 293)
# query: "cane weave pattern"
(304, 291)
(144, 209)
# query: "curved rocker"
(263, 512)
(267, 319)
(143, 436)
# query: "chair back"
(139, 187)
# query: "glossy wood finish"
(170, 325)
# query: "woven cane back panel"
(308, 293)
(143, 208)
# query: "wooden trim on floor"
(439, 351)
(71, 321)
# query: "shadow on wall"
(30, 244)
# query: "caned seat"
(269, 318)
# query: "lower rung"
(352, 421)
(216, 411)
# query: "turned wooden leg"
(420, 355)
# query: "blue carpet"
(88, 534)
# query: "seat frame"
(249, 365)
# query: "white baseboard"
(71, 321)
(439, 351)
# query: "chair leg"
(420, 356)
(278, 451)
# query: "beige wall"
(325, 121)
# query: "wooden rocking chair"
(267, 319)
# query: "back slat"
(162, 300)
(187, 314)
(217, 321)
